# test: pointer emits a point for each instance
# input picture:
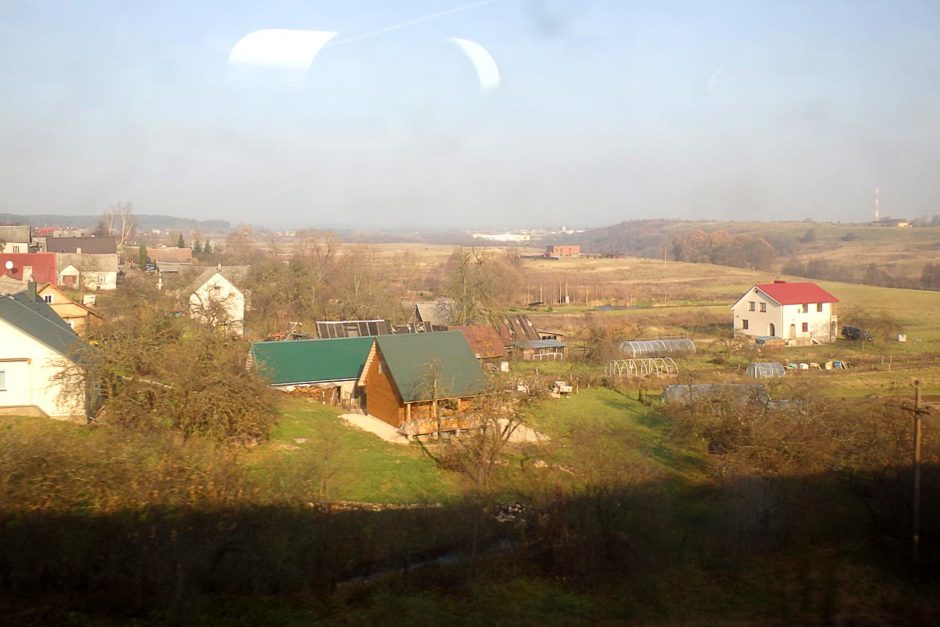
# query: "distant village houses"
(16, 239)
(88, 263)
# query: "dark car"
(855, 333)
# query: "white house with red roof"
(800, 313)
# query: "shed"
(657, 348)
(766, 370)
(302, 363)
(540, 350)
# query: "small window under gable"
(805, 308)
(47, 298)
(819, 307)
(763, 307)
(750, 305)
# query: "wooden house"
(413, 381)
(76, 315)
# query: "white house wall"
(231, 299)
(819, 323)
(30, 367)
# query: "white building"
(801, 313)
(35, 346)
(15, 239)
(215, 298)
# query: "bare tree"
(118, 222)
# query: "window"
(16, 248)
(763, 307)
(47, 298)
(750, 305)
(3, 380)
(217, 290)
(818, 307)
(805, 308)
(806, 327)
(744, 324)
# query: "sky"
(604, 111)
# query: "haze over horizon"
(593, 113)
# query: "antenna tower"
(877, 207)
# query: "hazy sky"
(606, 110)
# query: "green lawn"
(600, 433)
(314, 454)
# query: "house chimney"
(31, 290)
(218, 267)
(779, 281)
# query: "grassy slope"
(339, 462)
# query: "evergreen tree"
(197, 248)
(180, 243)
(142, 257)
(207, 249)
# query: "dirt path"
(375, 426)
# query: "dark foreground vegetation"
(112, 525)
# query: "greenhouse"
(656, 348)
(658, 366)
(768, 370)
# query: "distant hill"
(144, 221)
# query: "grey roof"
(38, 320)
(87, 261)
(88, 245)
(9, 285)
(437, 312)
(233, 274)
(540, 344)
(18, 234)
(445, 357)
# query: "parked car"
(856, 333)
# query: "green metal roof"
(311, 361)
(38, 320)
(415, 360)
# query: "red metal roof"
(42, 264)
(483, 340)
(796, 293)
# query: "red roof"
(483, 340)
(796, 293)
(42, 265)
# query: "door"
(773, 330)
(792, 331)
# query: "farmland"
(624, 503)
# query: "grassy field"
(313, 454)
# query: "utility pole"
(915, 506)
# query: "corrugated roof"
(483, 340)
(412, 360)
(437, 312)
(87, 245)
(38, 320)
(18, 234)
(796, 293)
(516, 328)
(311, 361)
